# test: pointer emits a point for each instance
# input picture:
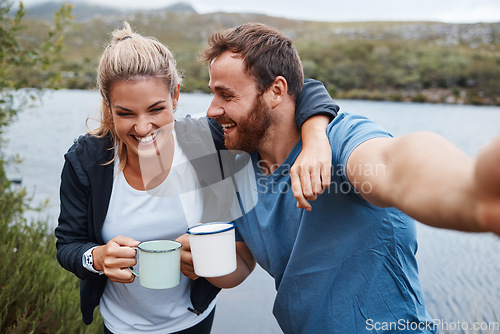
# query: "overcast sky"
(462, 11)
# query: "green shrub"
(36, 294)
(420, 98)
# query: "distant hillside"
(84, 11)
(401, 61)
(472, 35)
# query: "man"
(348, 262)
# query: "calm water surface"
(460, 272)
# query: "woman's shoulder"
(89, 142)
(89, 149)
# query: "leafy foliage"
(36, 294)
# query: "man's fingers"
(298, 192)
(487, 176)
(487, 171)
(489, 215)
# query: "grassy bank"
(36, 294)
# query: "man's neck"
(281, 138)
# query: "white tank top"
(162, 213)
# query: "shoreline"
(434, 96)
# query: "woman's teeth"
(148, 139)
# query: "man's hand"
(487, 176)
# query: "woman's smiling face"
(143, 114)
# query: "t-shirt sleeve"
(346, 133)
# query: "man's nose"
(215, 110)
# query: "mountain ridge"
(83, 10)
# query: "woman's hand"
(187, 267)
(311, 172)
(115, 257)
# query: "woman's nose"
(143, 126)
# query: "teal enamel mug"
(159, 263)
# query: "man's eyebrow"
(221, 88)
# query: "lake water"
(460, 272)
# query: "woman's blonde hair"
(131, 56)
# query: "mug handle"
(132, 270)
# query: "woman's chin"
(148, 153)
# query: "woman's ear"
(175, 97)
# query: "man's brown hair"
(266, 52)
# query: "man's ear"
(277, 91)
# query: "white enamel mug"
(159, 264)
(213, 247)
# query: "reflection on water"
(459, 271)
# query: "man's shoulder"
(347, 131)
(345, 118)
(354, 124)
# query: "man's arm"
(422, 174)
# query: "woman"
(111, 197)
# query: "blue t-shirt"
(345, 267)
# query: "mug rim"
(231, 226)
(176, 247)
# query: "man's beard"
(252, 130)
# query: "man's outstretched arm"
(430, 179)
